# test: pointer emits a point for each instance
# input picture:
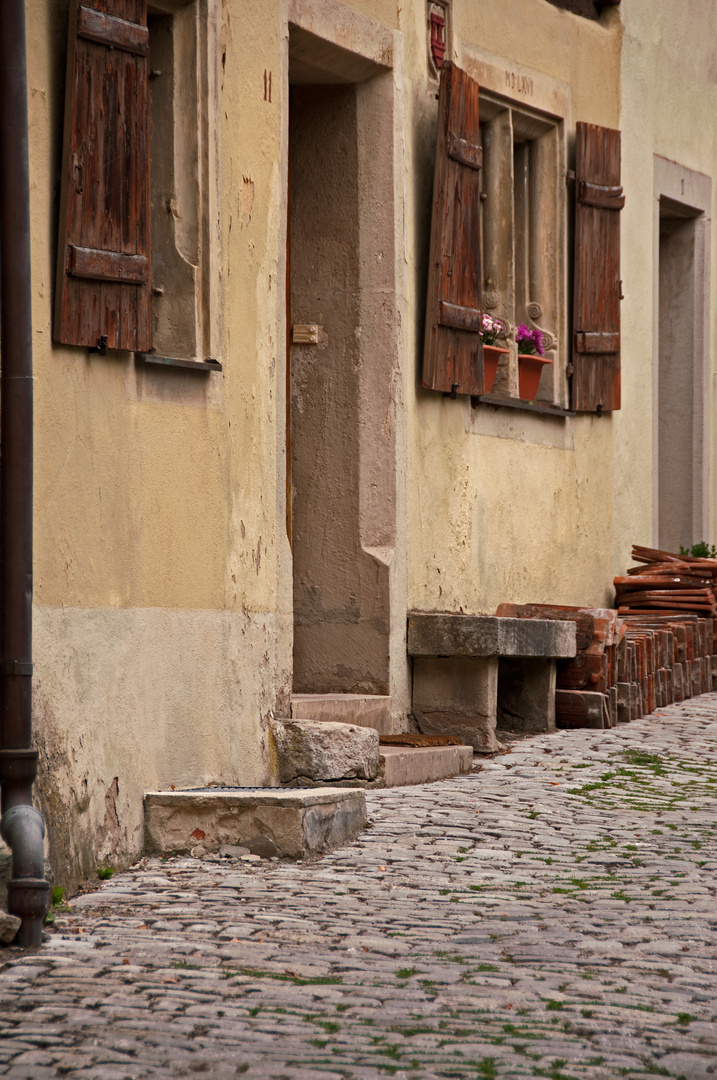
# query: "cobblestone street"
(551, 915)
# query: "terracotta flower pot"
(491, 359)
(530, 368)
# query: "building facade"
(242, 492)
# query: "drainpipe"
(22, 826)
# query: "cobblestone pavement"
(552, 915)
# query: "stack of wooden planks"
(667, 582)
(627, 665)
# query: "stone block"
(526, 695)
(433, 634)
(366, 710)
(401, 766)
(323, 750)
(9, 926)
(269, 821)
(457, 696)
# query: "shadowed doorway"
(340, 422)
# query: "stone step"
(402, 765)
(365, 710)
(292, 823)
(309, 753)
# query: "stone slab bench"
(473, 673)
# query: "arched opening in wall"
(341, 332)
(681, 451)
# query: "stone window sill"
(543, 408)
(172, 361)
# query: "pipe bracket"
(15, 667)
(18, 766)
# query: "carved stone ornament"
(535, 312)
(437, 23)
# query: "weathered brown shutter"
(597, 291)
(103, 278)
(453, 354)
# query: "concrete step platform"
(365, 710)
(402, 765)
(290, 823)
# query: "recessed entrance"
(342, 356)
(681, 451)
(683, 200)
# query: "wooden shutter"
(597, 286)
(103, 278)
(453, 354)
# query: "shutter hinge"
(569, 370)
(599, 408)
(453, 392)
(464, 152)
(570, 176)
(605, 196)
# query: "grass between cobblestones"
(551, 916)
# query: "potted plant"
(492, 353)
(531, 361)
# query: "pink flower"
(490, 328)
(529, 341)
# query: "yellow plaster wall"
(573, 50)
(669, 102)
(162, 569)
(163, 572)
(133, 488)
(525, 516)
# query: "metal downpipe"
(28, 892)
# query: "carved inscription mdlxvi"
(521, 84)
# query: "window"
(499, 247)
(522, 204)
(135, 245)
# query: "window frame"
(538, 296)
